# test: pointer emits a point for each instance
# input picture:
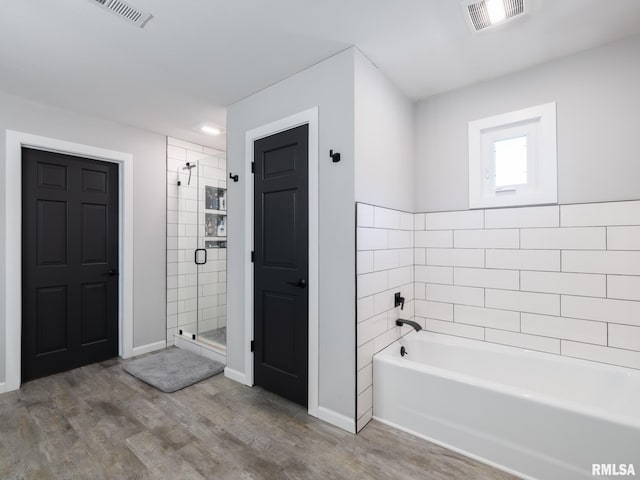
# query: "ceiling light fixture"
(496, 11)
(209, 130)
(482, 14)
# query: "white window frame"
(539, 125)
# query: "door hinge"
(253, 167)
(253, 345)
(253, 256)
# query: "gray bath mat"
(173, 369)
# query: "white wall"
(329, 86)
(384, 140)
(149, 152)
(598, 101)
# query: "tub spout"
(402, 321)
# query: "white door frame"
(309, 117)
(13, 241)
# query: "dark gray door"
(281, 321)
(69, 262)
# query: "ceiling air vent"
(489, 13)
(125, 11)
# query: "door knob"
(112, 273)
(302, 283)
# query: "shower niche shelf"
(215, 198)
(215, 217)
(215, 225)
(215, 243)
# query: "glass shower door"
(211, 256)
(182, 242)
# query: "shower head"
(188, 166)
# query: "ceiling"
(195, 57)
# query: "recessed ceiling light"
(209, 130)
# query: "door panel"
(281, 264)
(52, 233)
(52, 176)
(279, 231)
(94, 181)
(280, 161)
(95, 325)
(69, 262)
(51, 319)
(94, 233)
(279, 333)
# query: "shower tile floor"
(217, 335)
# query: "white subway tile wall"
(385, 265)
(505, 238)
(582, 238)
(193, 304)
(623, 238)
(462, 220)
(558, 279)
(521, 217)
(606, 214)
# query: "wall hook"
(334, 156)
(233, 177)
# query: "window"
(512, 158)
(510, 161)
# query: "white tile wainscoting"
(385, 265)
(558, 279)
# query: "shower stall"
(196, 245)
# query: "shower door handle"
(195, 256)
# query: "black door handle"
(112, 273)
(302, 283)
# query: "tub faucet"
(401, 321)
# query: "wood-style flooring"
(98, 422)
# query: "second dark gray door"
(281, 322)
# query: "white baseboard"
(337, 419)
(236, 376)
(324, 414)
(151, 347)
(3, 387)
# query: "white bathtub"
(533, 414)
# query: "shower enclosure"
(196, 244)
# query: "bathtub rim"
(548, 400)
